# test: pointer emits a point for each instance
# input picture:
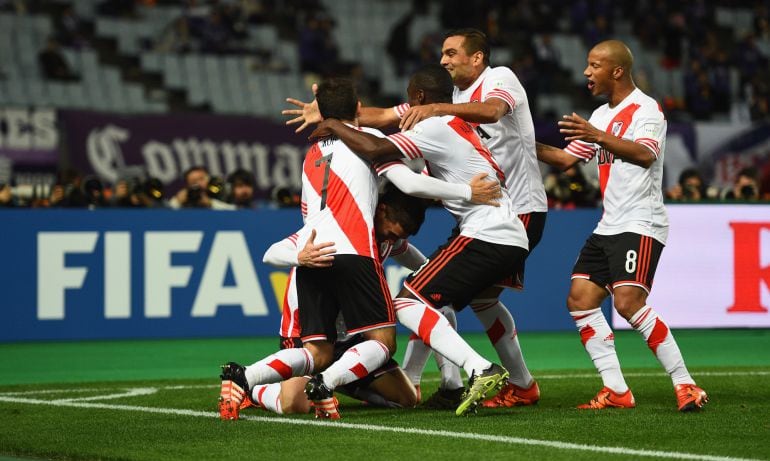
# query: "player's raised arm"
(378, 117)
(576, 128)
(306, 113)
(489, 111)
(365, 145)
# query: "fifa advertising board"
(102, 274)
(715, 269)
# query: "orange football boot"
(690, 397)
(607, 398)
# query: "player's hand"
(485, 191)
(307, 113)
(316, 255)
(575, 127)
(416, 114)
(324, 129)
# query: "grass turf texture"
(732, 365)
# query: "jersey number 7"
(327, 162)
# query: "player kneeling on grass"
(396, 216)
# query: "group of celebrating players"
(468, 126)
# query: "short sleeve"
(401, 109)
(650, 129)
(582, 150)
(382, 168)
(503, 84)
(426, 140)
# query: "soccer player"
(397, 216)
(628, 138)
(491, 242)
(494, 101)
(339, 193)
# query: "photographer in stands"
(745, 188)
(134, 192)
(242, 185)
(200, 191)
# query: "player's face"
(386, 229)
(599, 72)
(459, 64)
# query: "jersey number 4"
(326, 161)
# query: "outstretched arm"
(578, 128)
(480, 190)
(365, 145)
(307, 113)
(555, 156)
(377, 117)
(489, 111)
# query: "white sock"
(599, 342)
(355, 363)
(268, 396)
(450, 373)
(280, 366)
(662, 343)
(501, 330)
(436, 332)
(415, 358)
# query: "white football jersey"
(339, 195)
(632, 195)
(454, 153)
(511, 139)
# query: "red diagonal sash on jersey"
(462, 128)
(476, 97)
(624, 118)
(341, 203)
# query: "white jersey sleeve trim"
(651, 144)
(505, 96)
(580, 149)
(407, 147)
(401, 109)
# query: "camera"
(690, 191)
(214, 190)
(748, 192)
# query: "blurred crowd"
(686, 36)
(565, 190)
(199, 190)
(571, 189)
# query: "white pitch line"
(403, 430)
(132, 392)
(426, 380)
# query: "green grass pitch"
(156, 400)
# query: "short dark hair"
(475, 40)
(195, 168)
(689, 173)
(241, 176)
(337, 98)
(435, 82)
(404, 209)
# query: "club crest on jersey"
(616, 127)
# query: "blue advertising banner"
(71, 274)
